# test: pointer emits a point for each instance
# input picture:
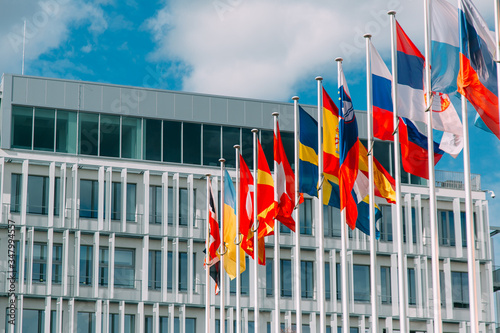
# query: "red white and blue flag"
(213, 241)
(348, 151)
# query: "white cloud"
(87, 48)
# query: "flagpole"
(207, 258)
(255, 236)
(497, 40)
(298, 316)
(320, 297)
(397, 167)
(373, 254)
(237, 242)
(436, 287)
(222, 277)
(276, 261)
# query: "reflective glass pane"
(288, 144)
(131, 202)
(172, 141)
(192, 143)
(247, 146)
(211, 145)
(88, 133)
(38, 195)
(267, 142)
(22, 124)
(361, 283)
(66, 132)
(152, 139)
(110, 136)
(131, 137)
(33, 321)
(231, 137)
(44, 129)
(15, 197)
(286, 278)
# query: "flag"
(477, 78)
(285, 184)
(349, 153)
(308, 154)
(331, 154)
(266, 206)
(363, 222)
(246, 207)
(229, 212)
(214, 241)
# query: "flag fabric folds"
(213, 242)
(331, 154)
(349, 153)
(266, 206)
(477, 77)
(229, 212)
(308, 154)
(246, 207)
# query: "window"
(172, 141)
(131, 137)
(53, 321)
(361, 284)
(43, 133)
(211, 145)
(183, 271)
(339, 282)
(460, 289)
(89, 196)
(86, 264)
(56, 263)
(113, 323)
(190, 325)
(412, 293)
(155, 204)
(116, 201)
(307, 279)
(109, 136)
(331, 221)
(446, 226)
(169, 270)
(230, 137)
(413, 225)
(131, 202)
(39, 273)
(269, 277)
(385, 283)
(442, 286)
(152, 139)
(154, 272)
(129, 324)
(65, 132)
(306, 217)
(33, 321)
(184, 205)
(191, 138)
(287, 138)
(88, 133)
(85, 322)
(124, 268)
(38, 195)
(148, 324)
(22, 125)
(247, 146)
(103, 266)
(15, 198)
(386, 223)
(286, 278)
(267, 142)
(244, 281)
(328, 282)
(170, 205)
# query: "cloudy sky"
(249, 48)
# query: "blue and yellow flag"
(308, 154)
(230, 229)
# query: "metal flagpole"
(497, 39)
(207, 256)
(343, 250)
(297, 277)
(276, 261)
(373, 254)
(397, 166)
(436, 287)
(320, 297)
(237, 242)
(255, 236)
(224, 249)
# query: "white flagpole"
(24, 46)
(237, 242)
(497, 39)
(276, 262)
(343, 237)
(207, 256)
(224, 249)
(297, 277)
(397, 166)
(320, 297)
(436, 287)
(255, 236)
(373, 240)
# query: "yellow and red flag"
(266, 206)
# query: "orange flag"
(266, 206)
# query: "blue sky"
(248, 48)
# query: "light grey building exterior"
(105, 186)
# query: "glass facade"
(460, 289)
(211, 145)
(154, 273)
(86, 260)
(269, 277)
(103, 266)
(385, 284)
(57, 263)
(22, 127)
(307, 279)
(286, 277)
(44, 127)
(361, 284)
(306, 217)
(109, 130)
(412, 287)
(155, 204)
(124, 268)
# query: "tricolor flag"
(246, 207)
(213, 242)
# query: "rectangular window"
(53, 321)
(460, 289)
(183, 271)
(86, 260)
(85, 322)
(129, 324)
(39, 273)
(110, 136)
(442, 285)
(412, 290)
(413, 225)
(267, 142)
(386, 223)
(65, 132)
(446, 224)
(328, 282)
(339, 282)
(89, 196)
(306, 217)
(170, 216)
(88, 134)
(56, 263)
(307, 279)
(103, 266)
(152, 139)
(286, 277)
(361, 284)
(125, 268)
(38, 195)
(131, 137)
(244, 281)
(211, 145)
(172, 141)
(331, 221)
(33, 321)
(169, 270)
(155, 204)
(154, 273)
(184, 205)
(116, 201)
(148, 324)
(22, 125)
(191, 138)
(288, 144)
(231, 137)
(247, 146)
(131, 202)
(269, 277)
(44, 129)
(15, 197)
(385, 284)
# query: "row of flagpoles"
(333, 165)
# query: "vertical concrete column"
(482, 235)
(171, 317)
(145, 220)
(418, 220)
(333, 277)
(62, 195)
(190, 270)
(102, 197)
(144, 271)
(19, 317)
(448, 290)
(29, 273)
(22, 258)
(105, 317)
(191, 212)
(121, 313)
(111, 265)
(156, 318)
(52, 181)
(182, 318)
(2, 189)
(24, 191)
(312, 322)
(165, 271)
(409, 222)
(78, 236)
(74, 211)
(388, 324)
(71, 315)
(230, 321)
(65, 262)
(98, 316)
(59, 315)
(419, 290)
(139, 323)
(123, 222)
(165, 212)
(50, 249)
(95, 265)
(107, 195)
(362, 323)
(47, 313)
